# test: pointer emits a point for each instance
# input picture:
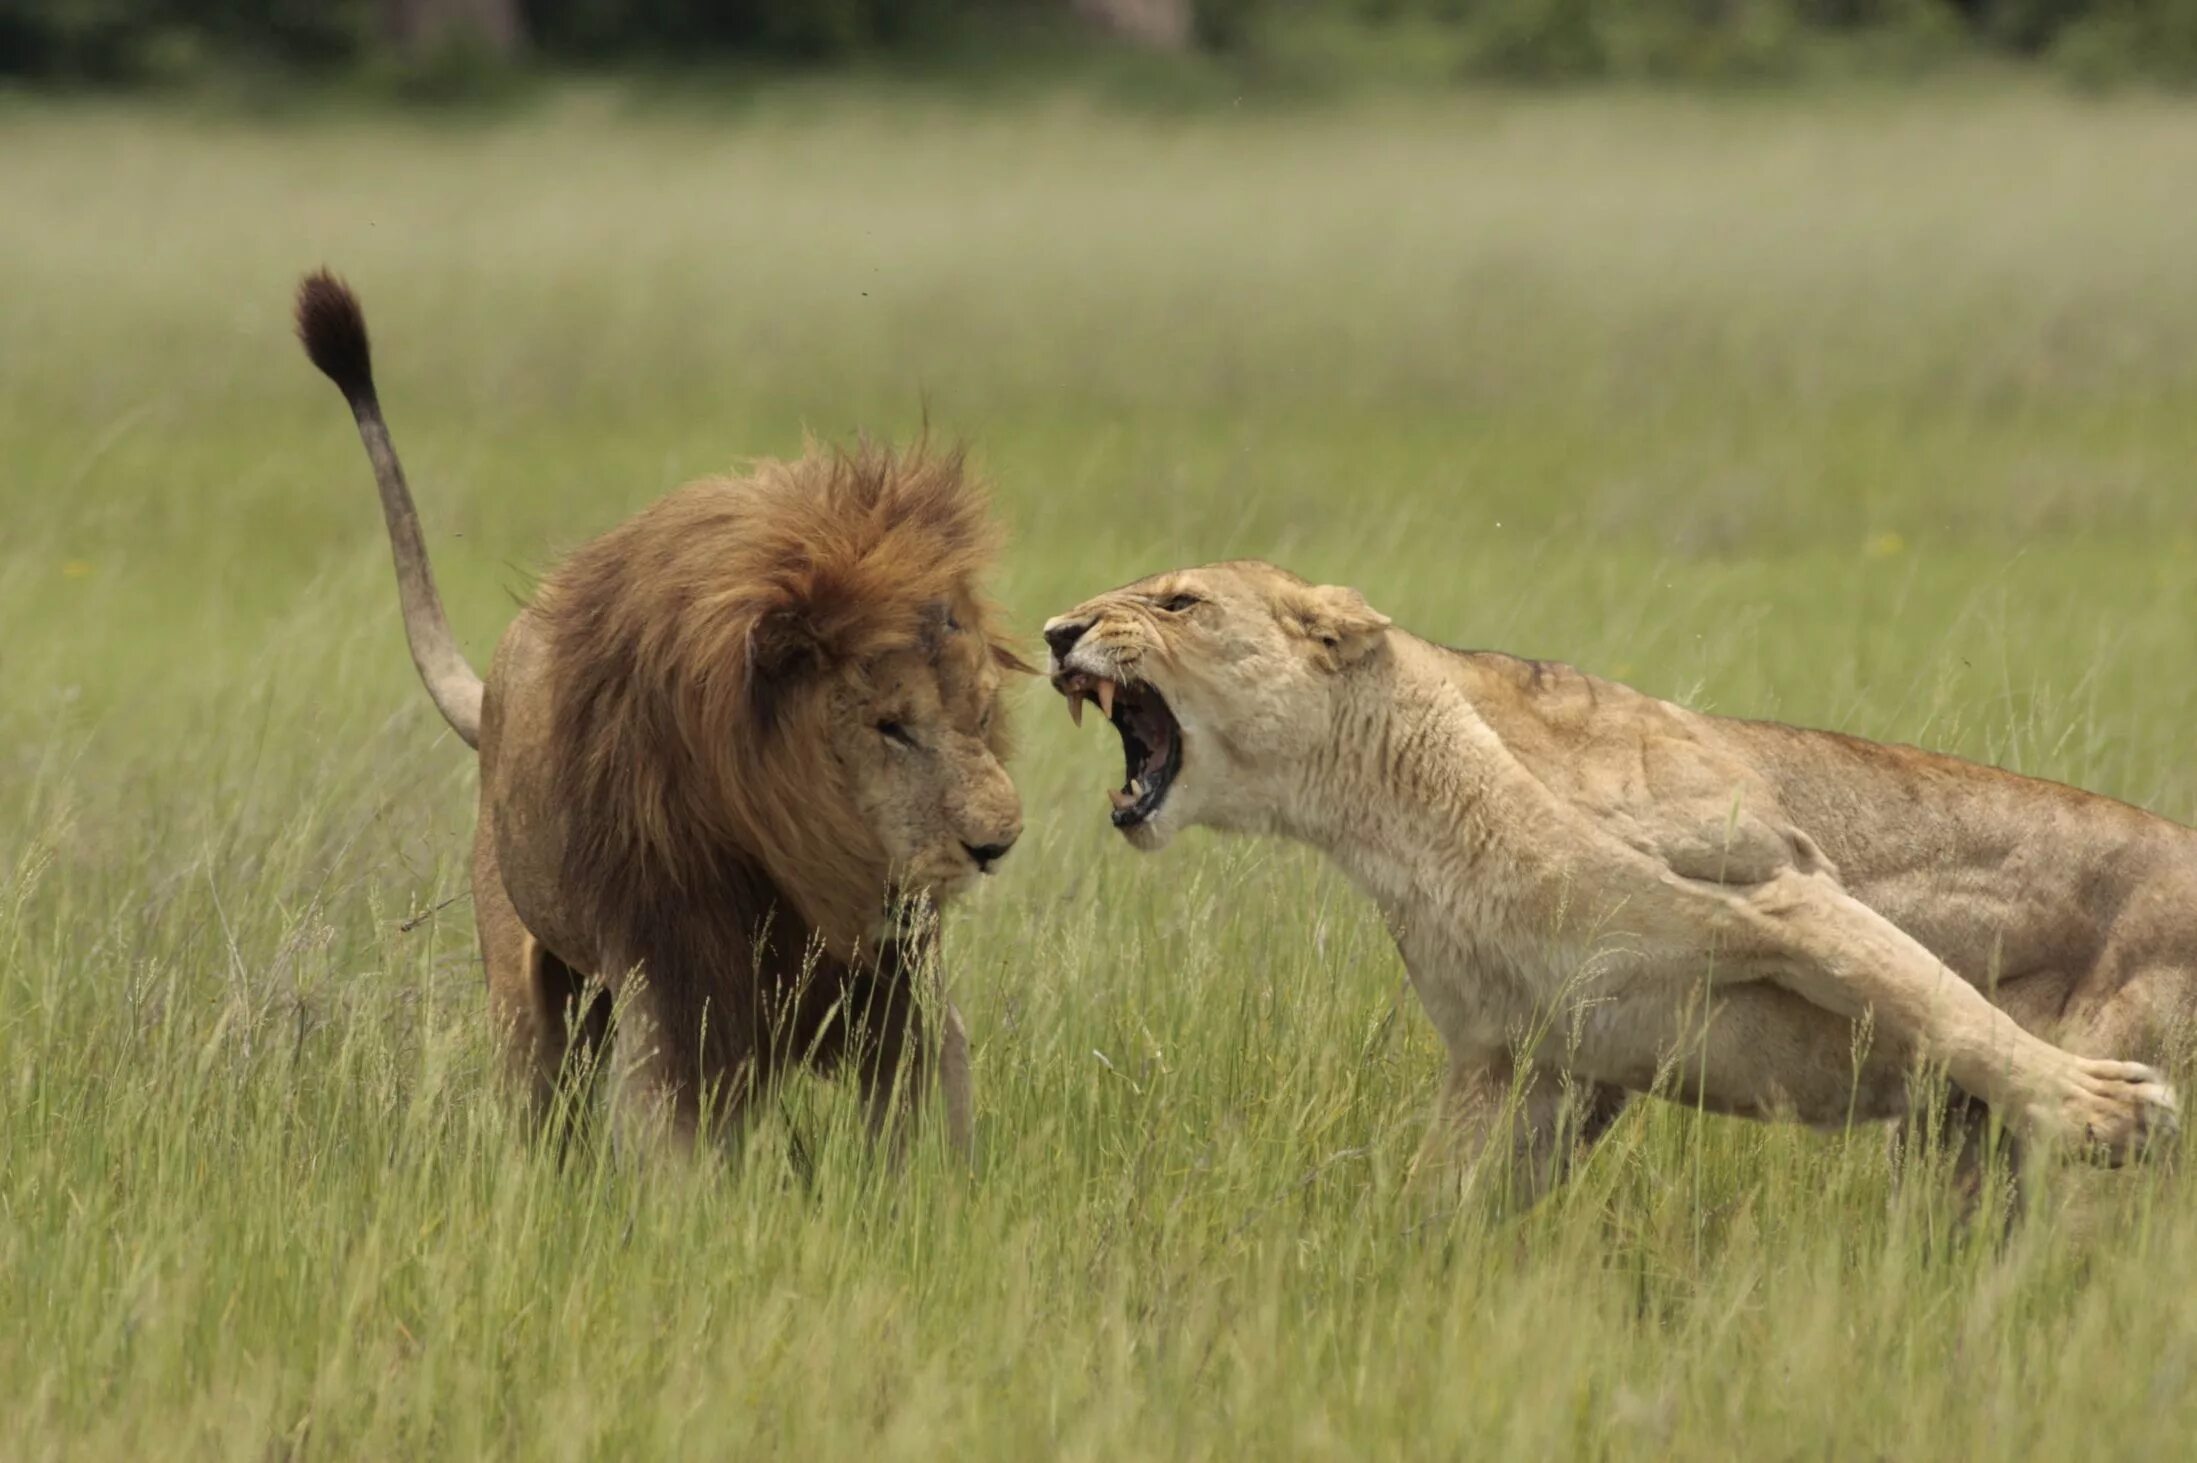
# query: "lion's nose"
(1063, 637)
(987, 854)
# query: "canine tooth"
(1136, 787)
(1121, 797)
(1075, 707)
(1106, 699)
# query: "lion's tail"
(333, 329)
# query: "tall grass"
(1879, 414)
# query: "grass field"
(1869, 411)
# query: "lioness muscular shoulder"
(1590, 884)
(730, 754)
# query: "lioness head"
(1218, 678)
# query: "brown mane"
(696, 646)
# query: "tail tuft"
(333, 329)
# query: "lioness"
(725, 749)
(1600, 893)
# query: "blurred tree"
(1163, 24)
(2024, 25)
(119, 41)
(420, 29)
(796, 29)
(128, 40)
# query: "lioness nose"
(1063, 637)
(987, 854)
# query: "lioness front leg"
(1511, 1131)
(1802, 930)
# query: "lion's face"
(920, 735)
(1218, 678)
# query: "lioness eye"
(894, 731)
(1175, 604)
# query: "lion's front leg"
(906, 1032)
(660, 1080)
(1511, 1130)
(954, 1083)
(896, 1070)
(891, 1061)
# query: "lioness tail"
(334, 332)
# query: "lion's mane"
(696, 647)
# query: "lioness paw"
(2112, 1111)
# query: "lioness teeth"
(1106, 699)
(1121, 796)
(1136, 787)
(1075, 707)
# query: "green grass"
(1873, 412)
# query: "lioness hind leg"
(2150, 1017)
(1981, 1161)
(1511, 1132)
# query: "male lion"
(1598, 893)
(727, 749)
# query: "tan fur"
(1599, 893)
(733, 756)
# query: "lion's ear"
(1338, 621)
(1004, 656)
(782, 647)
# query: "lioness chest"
(1593, 1007)
(1597, 1012)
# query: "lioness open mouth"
(1151, 741)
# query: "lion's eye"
(1175, 604)
(893, 731)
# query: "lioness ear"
(1338, 621)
